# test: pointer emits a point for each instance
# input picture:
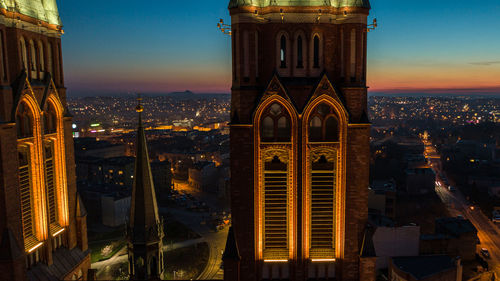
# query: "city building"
(395, 241)
(203, 176)
(382, 198)
(453, 236)
(42, 221)
(145, 229)
(115, 208)
(162, 175)
(91, 147)
(420, 180)
(425, 268)
(116, 171)
(299, 141)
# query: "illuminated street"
(458, 205)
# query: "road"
(215, 239)
(457, 204)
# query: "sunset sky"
(160, 46)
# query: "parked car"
(485, 252)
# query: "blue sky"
(113, 46)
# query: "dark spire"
(231, 252)
(144, 222)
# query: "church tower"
(43, 233)
(145, 229)
(299, 141)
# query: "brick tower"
(299, 141)
(42, 222)
(145, 229)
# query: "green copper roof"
(304, 3)
(44, 10)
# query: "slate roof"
(64, 262)
(454, 226)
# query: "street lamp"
(372, 26)
(224, 28)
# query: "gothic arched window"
(323, 125)
(41, 58)
(275, 124)
(300, 54)
(316, 52)
(24, 122)
(33, 63)
(50, 119)
(24, 53)
(283, 51)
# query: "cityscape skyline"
(138, 49)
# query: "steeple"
(145, 229)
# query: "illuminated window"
(120, 172)
(300, 52)
(275, 206)
(50, 182)
(276, 124)
(25, 186)
(323, 125)
(283, 51)
(322, 206)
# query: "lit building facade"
(42, 221)
(299, 141)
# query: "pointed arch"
(275, 186)
(316, 56)
(31, 174)
(55, 139)
(300, 61)
(324, 160)
(41, 58)
(283, 53)
(24, 53)
(33, 60)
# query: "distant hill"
(187, 95)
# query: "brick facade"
(257, 76)
(15, 84)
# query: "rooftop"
(422, 267)
(454, 226)
(302, 3)
(43, 10)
